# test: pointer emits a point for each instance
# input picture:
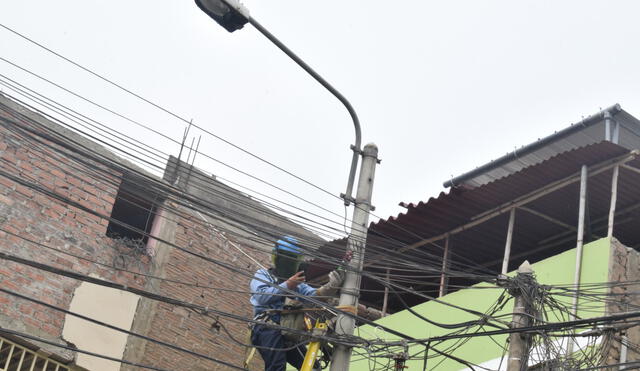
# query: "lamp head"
(229, 14)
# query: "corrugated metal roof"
(588, 131)
(484, 244)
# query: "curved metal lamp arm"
(356, 122)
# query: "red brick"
(58, 174)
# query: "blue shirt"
(263, 299)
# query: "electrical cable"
(164, 109)
(63, 88)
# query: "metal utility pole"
(519, 342)
(355, 244)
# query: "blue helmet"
(289, 244)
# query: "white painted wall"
(108, 305)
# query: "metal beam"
(548, 218)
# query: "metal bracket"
(347, 200)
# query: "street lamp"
(232, 15)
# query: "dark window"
(133, 212)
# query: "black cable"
(165, 299)
(63, 88)
(166, 110)
(247, 174)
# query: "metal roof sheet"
(588, 131)
(534, 237)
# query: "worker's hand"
(295, 280)
(336, 278)
(335, 282)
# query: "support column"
(614, 199)
(507, 245)
(579, 244)
(444, 277)
(386, 296)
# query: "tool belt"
(292, 316)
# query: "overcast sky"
(440, 87)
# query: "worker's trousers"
(276, 360)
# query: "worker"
(286, 257)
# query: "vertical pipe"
(444, 278)
(507, 245)
(356, 243)
(614, 199)
(607, 126)
(386, 296)
(615, 137)
(579, 242)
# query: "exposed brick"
(65, 228)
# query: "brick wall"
(27, 213)
(201, 333)
(624, 266)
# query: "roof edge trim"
(515, 154)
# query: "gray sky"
(440, 87)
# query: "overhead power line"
(171, 113)
(399, 257)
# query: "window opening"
(133, 212)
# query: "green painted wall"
(557, 270)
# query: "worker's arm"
(262, 291)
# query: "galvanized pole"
(579, 245)
(355, 244)
(519, 342)
(614, 198)
(444, 276)
(385, 301)
(507, 244)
